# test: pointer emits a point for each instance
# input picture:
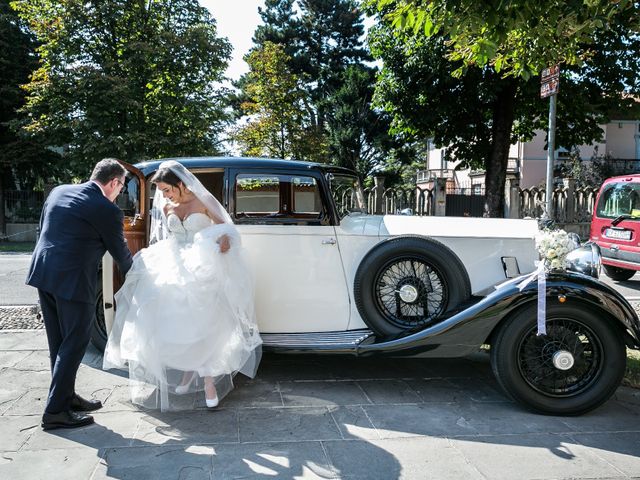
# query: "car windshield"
(346, 193)
(620, 199)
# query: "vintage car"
(332, 279)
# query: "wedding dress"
(185, 307)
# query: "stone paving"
(312, 417)
(20, 317)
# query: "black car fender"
(467, 329)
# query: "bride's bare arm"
(223, 241)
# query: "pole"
(551, 154)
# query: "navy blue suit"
(77, 226)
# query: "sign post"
(549, 86)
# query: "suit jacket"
(77, 226)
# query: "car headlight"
(586, 260)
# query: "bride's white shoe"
(184, 388)
(211, 400)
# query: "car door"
(133, 203)
(293, 250)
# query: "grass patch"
(632, 373)
(19, 247)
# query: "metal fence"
(398, 200)
(22, 206)
(568, 204)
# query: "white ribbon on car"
(541, 274)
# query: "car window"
(619, 199)
(277, 196)
(129, 197)
(306, 196)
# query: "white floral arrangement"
(553, 247)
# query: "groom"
(78, 224)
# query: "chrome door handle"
(331, 241)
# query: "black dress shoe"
(67, 419)
(79, 404)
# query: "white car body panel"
(300, 282)
(107, 290)
(357, 234)
(478, 242)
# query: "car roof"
(150, 166)
(633, 177)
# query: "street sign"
(550, 73)
(550, 81)
(549, 88)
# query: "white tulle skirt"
(185, 308)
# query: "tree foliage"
(323, 42)
(275, 106)
(321, 39)
(359, 136)
(515, 37)
(127, 79)
(22, 160)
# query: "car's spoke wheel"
(410, 292)
(408, 283)
(572, 369)
(564, 362)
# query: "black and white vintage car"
(332, 279)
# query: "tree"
(281, 26)
(127, 79)
(275, 106)
(22, 162)
(321, 41)
(359, 135)
(478, 108)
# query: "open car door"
(133, 203)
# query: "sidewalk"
(312, 417)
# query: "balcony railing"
(426, 175)
(513, 167)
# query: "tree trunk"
(496, 164)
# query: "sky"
(237, 20)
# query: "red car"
(615, 226)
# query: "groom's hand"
(223, 241)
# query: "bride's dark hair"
(165, 175)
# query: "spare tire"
(407, 283)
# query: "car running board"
(327, 342)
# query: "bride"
(185, 320)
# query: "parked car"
(332, 279)
(615, 226)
